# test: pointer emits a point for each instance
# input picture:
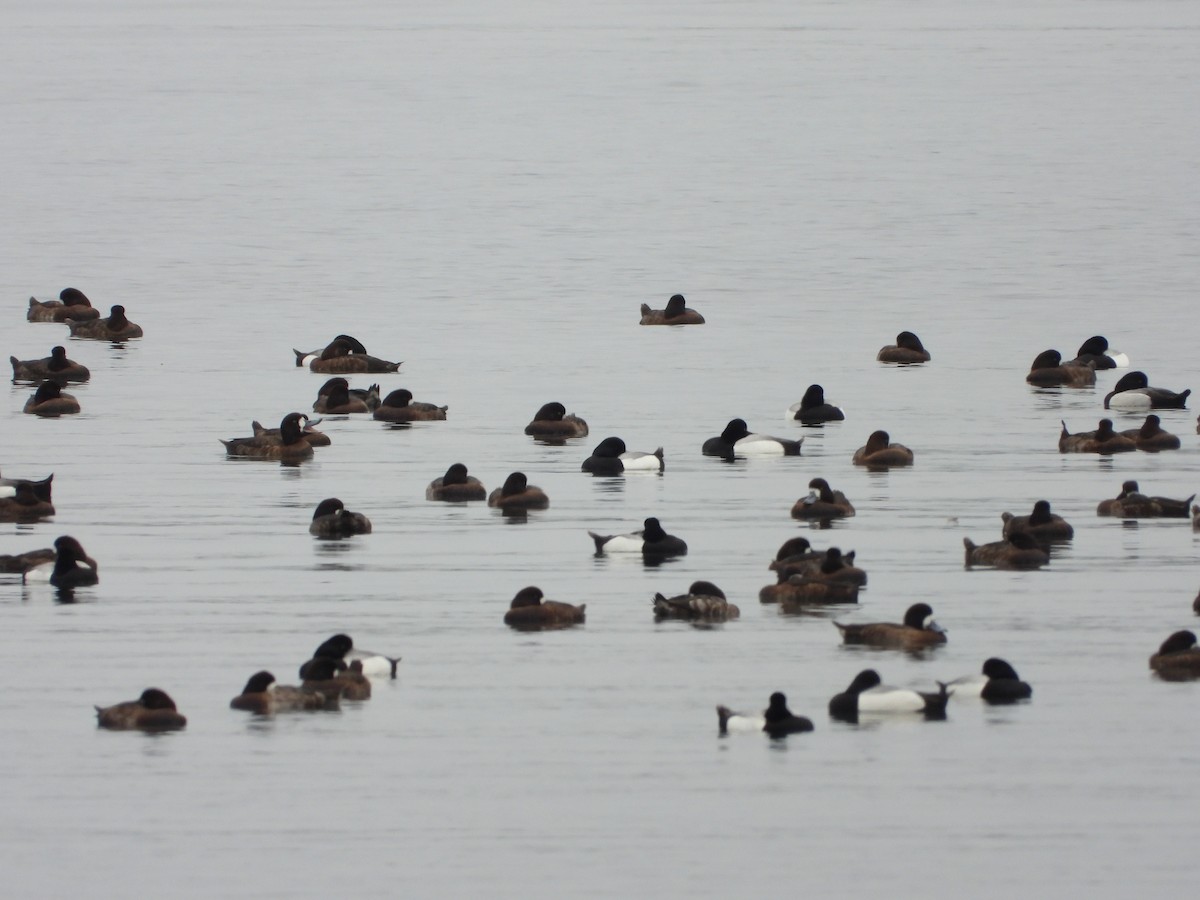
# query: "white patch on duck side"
(1118, 357)
(374, 665)
(884, 699)
(759, 445)
(742, 724)
(1135, 399)
(968, 686)
(634, 461)
(624, 543)
(39, 574)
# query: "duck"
(1048, 370)
(335, 398)
(72, 303)
(353, 344)
(907, 350)
(19, 563)
(652, 542)
(114, 328)
(398, 406)
(274, 435)
(796, 558)
(42, 487)
(1042, 524)
(49, 401)
(1178, 659)
(456, 486)
(880, 453)
(822, 502)
(999, 683)
(552, 423)
(518, 494)
(1104, 440)
(1096, 353)
(776, 721)
(1151, 436)
(703, 601)
(868, 694)
(154, 710)
(798, 592)
(72, 567)
(1131, 503)
(55, 366)
(22, 504)
(737, 440)
(795, 555)
(291, 446)
(1133, 392)
(264, 697)
(331, 519)
(341, 647)
(611, 458)
(348, 357)
(676, 313)
(1019, 550)
(529, 611)
(333, 677)
(812, 408)
(918, 631)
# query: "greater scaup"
(812, 408)
(737, 440)
(611, 458)
(1151, 436)
(518, 494)
(867, 694)
(908, 349)
(1104, 440)
(880, 453)
(49, 401)
(153, 711)
(398, 406)
(1019, 550)
(341, 647)
(999, 683)
(552, 423)
(776, 721)
(21, 503)
(652, 542)
(456, 486)
(72, 303)
(1178, 659)
(342, 357)
(1096, 353)
(1041, 523)
(116, 327)
(676, 313)
(331, 519)
(263, 696)
(704, 601)
(55, 366)
(1131, 503)
(529, 611)
(822, 502)
(1048, 370)
(336, 398)
(1133, 392)
(290, 446)
(918, 631)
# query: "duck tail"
(600, 540)
(724, 713)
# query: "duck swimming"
(341, 357)
(907, 350)
(456, 486)
(611, 458)
(56, 366)
(275, 435)
(737, 440)
(1104, 440)
(1178, 659)
(676, 313)
(1133, 392)
(152, 711)
(114, 328)
(1019, 550)
(292, 445)
(19, 563)
(704, 601)
(917, 632)
(42, 487)
(49, 401)
(332, 520)
(880, 453)
(822, 502)
(518, 494)
(336, 398)
(262, 696)
(1131, 503)
(72, 567)
(530, 612)
(812, 408)
(399, 407)
(652, 542)
(353, 344)
(867, 694)
(72, 303)
(998, 684)
(1151, 437)
(776, 721)
(22, 504)
(551, 423)
(1048, 370)
(341, 648)
(1095, 352)
(1042, 524)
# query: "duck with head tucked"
(676, 313)
(652, 542)
(49, 401)
(880, 452)
(776, 721)
(1048, 370)
(71, 567)
(812, 408)
(868, 695)
(611, 458)
(456, 486)
(275, 435)
(1131, 503)
(703, 602)
(1042, 524)
(1178, 659)
(1096, 353)
(21, 503)
(352, 344)
(998, 684)
(291, 446)
(331, 519)
(154, 710)
(399, 407)
(1104, 440)
(1133, 392)
(333, 677)
(1152, 437)
(552, 423)
(517, 495)
(72, 303)
(738, 441)
(336, 398)
(917, 632)
(529, 611)
(907, 350)
(341, 648)
(1018, 550)
(263, 697)
(43, 487)
(822, 502)
(114, 328)
(56, 366)
(346, 356)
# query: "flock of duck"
(805, 576)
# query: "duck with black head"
(264, 697)
(275, 435)
(998, 684)
(1133, 392)
(1048, 370)
(907, 350)
(333, 677)
(55, 366)
(822, 502)
(337, 398)
(518, 494)
(1104, 440)
(1041, 524)
(798, 593)
(331, 519)
(868, 695)
(738, 441)
(21, 503)
(292, 446)
(917, 632)
(116, 327)
(1096, 353)
(652, 542)
(341, 647)
(352, 344)
(43, 487)
(776, 721)
(1131, 503)
(1178, 659)
(49, 401)
(456, 486)
(552, 423)
(813, 410)
(530, 611)
(676, 313)
(342, 357)
(1018, 550)
(880, 452)
(1152, 437)
(703, 602)
(72, 303)
(72, 567)
(399, 407)
(154, 710)
(611, 458)
(796, 556)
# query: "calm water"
(489, 193)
